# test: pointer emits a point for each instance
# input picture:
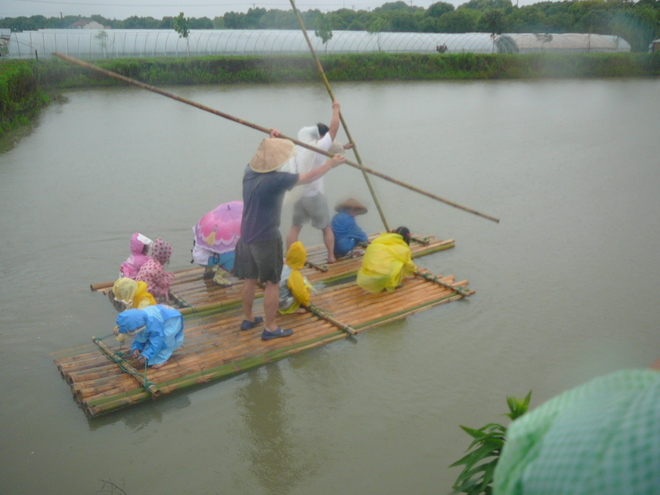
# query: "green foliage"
(460, 20)
(20, 96)
(486, 446)
(323, 28)
(439, 8)
(493, 21)
(406, 22)
(486, 5)
(181, 26)
(102, 38)
(399, 6)
(637, 22)
(377, 26)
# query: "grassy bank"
(21, 97)
(363, 67)
(24, 84)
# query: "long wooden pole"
(341, 117)
(123, 364)
(267, 131)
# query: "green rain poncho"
(601, 438)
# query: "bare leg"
(249, 287)
(292, 236)
(329, 241)
(271, 302)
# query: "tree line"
(636, 22)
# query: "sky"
(122, 9)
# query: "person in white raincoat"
(313, 204)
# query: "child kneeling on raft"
(157, 332)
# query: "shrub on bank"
(20, 95)
(351, 67)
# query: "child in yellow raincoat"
(131, 294)
(126, 294)
(294, 287)
(386, 262)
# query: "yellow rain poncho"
(133, 294)
(387, 260)
(294, 287)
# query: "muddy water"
(566, 282)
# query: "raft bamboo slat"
(190, 292)
(214, 347)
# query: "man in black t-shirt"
(259, 252)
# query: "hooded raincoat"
(152, 272)
(132, 265)
(162, 334)
(133, 294)
(294, 287)
(387, 260)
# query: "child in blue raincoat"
(157, 332)
(346, 230)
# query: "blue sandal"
(267, 335)
(248, 325)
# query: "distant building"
(87, 24)
(655, 46)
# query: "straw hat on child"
(353, 205)
(272, 154)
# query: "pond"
(566, 282)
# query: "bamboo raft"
(104, 378)
(191, 293)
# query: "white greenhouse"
(117, 43)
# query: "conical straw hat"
(271, 154)
(352, 204)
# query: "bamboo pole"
(436, 280)
(142, 379)
(321, 313)
(101, 286)
(320, 268)
(341, 117)
(267, 131)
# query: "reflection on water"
(143, 414)
(276, 460)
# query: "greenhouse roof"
(115, 43)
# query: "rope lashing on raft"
(436, 280)
(320, 313)
(321, 268)
(424, 241)
(128, 368)
(181, 301)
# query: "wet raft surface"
(215, 348)
(190, 292)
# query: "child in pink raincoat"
(139, 256)
(152, 272)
